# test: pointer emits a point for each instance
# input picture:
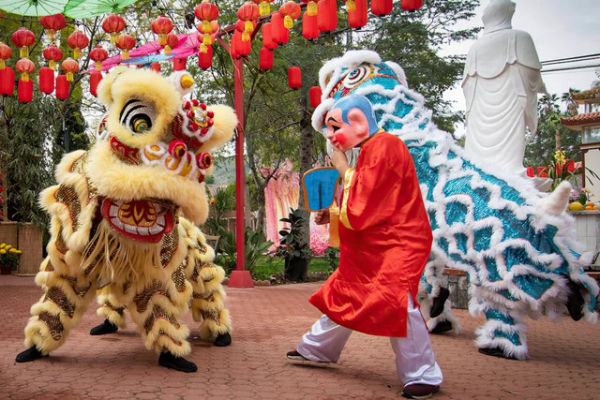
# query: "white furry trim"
(399, 71)
(319, 115)
(349, 59)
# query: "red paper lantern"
(358, 17)
(46, 80)
(172, 42)
(311, 7)
(95, 78)
(265, 59)
(23, 38)
(62, 87)
(70, 66)
(162, 26)
(98, 54)
(125, 42)
(7, 81)
(155, 66)
(327, 15)
(77, 41)
(310, 26)
(5, 53)
(113, 25)
(25, 90)
(290, 12)
(280, 33)
(205, 59)
(206, 11)
(294, 77)
(25, 66)
(179, 64)
(381, 7)
(314, 95)
(267, 36)
(53, 24)
(52, 54)
(411, 5)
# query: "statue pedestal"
(240, 279)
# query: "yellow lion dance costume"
(123, 221)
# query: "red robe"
(383, 254)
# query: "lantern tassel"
(24, 52)
(264, 8)
(288, 22)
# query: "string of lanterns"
(319, 16)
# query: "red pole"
(240, 277)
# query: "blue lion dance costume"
(515, 244)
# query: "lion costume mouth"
(142, 220)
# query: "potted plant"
(9, 258)
(293, 248)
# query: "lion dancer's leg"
(67, 293)
(208, 302)
(503, 334)
(155, 308)
(111, 309)
(433, 298)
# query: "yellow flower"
(559, 156)
(2, 251)
(13, 250)
(2, 245)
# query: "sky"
(559, 29)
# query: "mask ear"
(358, 120)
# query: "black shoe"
(178, 363)
(295, 356)
(574, 301)
(223, 339)
(442, 326)
(30, 354)
(419, 391)
(438, 302)
(104, 328)
(495, 352)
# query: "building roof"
(577, 122)
(587, 96)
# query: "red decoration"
(125, 42)
(290, 12)
(162, 26)
(62, 87)
(179, 64)
(314, 95)
(358, 17)
(113, 25)
(381, 7)
(172, 42)
(530, 172)
(98, 54)
(95, 78)
(207, 13)
(310, 26)
(411, 5)
(52, 54)
(265, 59)
(25, 90)
(25, 66)
(46, 80)
(311, 7)
(205, 59)
(23, 38)
(5, 53)
(77, 41)
(7, 81)
(248, 13)
(155, 66)
(280, 33)
(53, 24)
(327, 15)
(267, 36)
(70, 66)
(294, 77)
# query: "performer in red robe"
(385, 239)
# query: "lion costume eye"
(356, 76)
(137, 116)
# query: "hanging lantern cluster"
(113, 25)
(46, 75)
(207, 13)
(7, 74)
(98, 54)
(23, 38)
(248, 13)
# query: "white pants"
(415, 361)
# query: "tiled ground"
(268, 321)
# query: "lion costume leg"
(65, 300)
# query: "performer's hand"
(322, 217)
(340, 161)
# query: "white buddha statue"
(501, 82)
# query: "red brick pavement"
(268, 321)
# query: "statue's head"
(152, 155)
(498, 15)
